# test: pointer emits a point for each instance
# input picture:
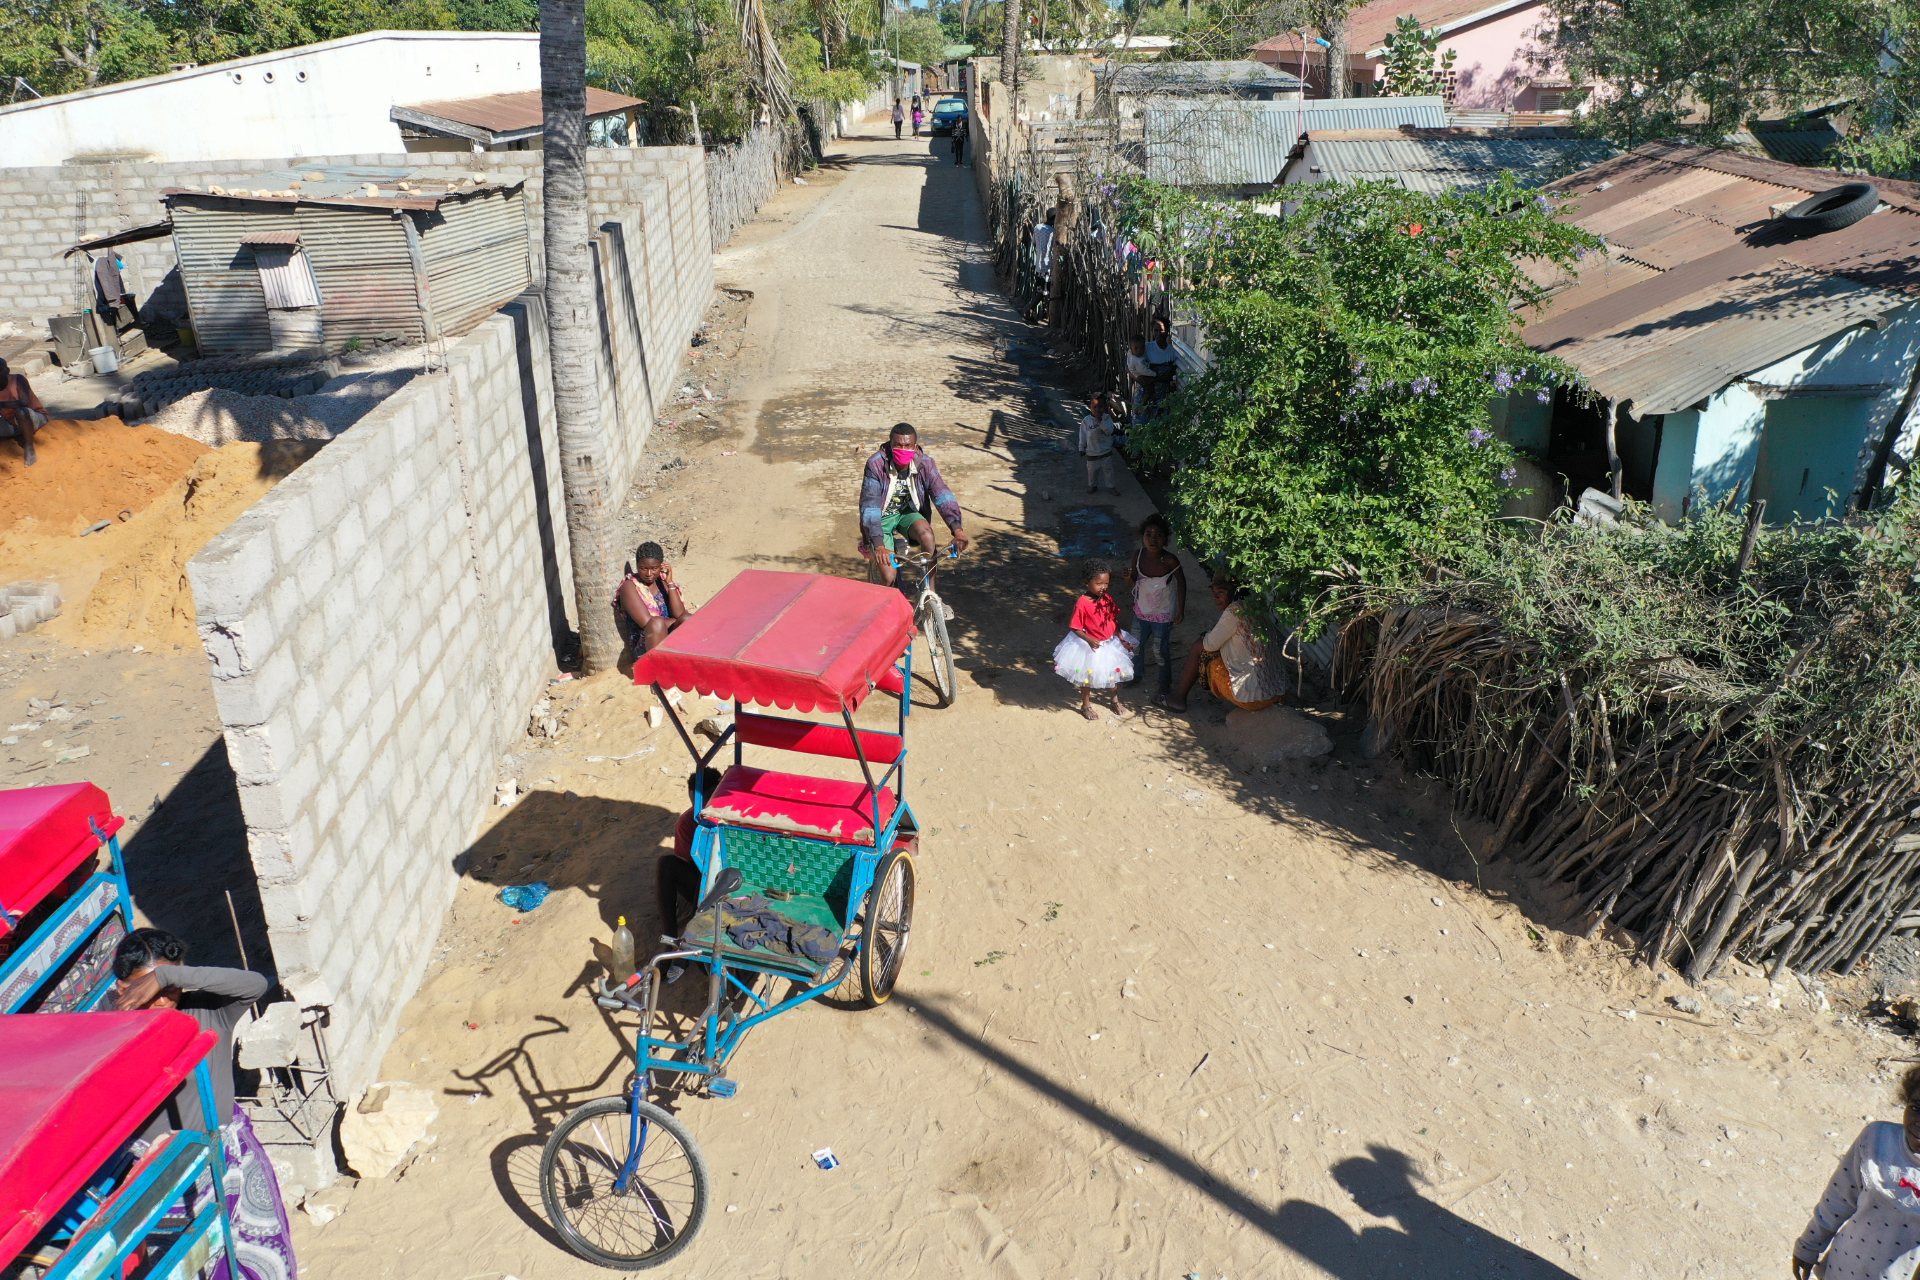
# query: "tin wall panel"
(219, 275)
(364, 273)
(476, 257)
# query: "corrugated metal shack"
(387, 256)
(1242, 147)
(1727, 351)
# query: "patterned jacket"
(927, 490)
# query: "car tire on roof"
(1833, 209)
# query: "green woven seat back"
(817, 875)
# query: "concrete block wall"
(380, 622)
(45, 211)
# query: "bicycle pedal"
(721, 1087)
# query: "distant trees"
(1661, 68)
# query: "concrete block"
(271, 1039)
(293, 525)
(251, 699)
(233, 568)
(272, 856)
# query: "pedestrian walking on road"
(899, 118)
(1097, 430)
(1094, 654)
(1867, 1225)
(1159, 597)
(918, 116)
(960, 140)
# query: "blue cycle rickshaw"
(804, 879)
(77, 1201)
(61, 913)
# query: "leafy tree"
(1413, 71)
(918, 37)
(497, 15)
(1705, 67)
(58, 46)
(1342, 427)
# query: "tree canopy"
(1704, 68)
(1342, 425)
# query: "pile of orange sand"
(89, 471)
(127, 584)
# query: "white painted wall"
(1730, 427)
(324, 99)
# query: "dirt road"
(1165, 1013)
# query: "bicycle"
(929, 614)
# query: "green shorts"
(898, 525)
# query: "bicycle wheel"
(665, 1201)
(883, 946)
(933, 627)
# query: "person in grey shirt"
(150, 975)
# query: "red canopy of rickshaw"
(73, 1088)
(44, 835)
(801, 641)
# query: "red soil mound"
(90, 471)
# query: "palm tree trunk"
(1010, 49)
(571, 327)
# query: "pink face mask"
(902, 457)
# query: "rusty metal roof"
(502, 117)
(1699, 284)
(358, 186)
(271, 237)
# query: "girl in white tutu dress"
(1095, 655)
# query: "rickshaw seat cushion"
(794, 804)
(44, 834)
(816, 739)
(78, 1086)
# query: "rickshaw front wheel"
(889, 922)
(665, 1199)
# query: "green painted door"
(1809, 446)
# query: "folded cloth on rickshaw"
(753, 922)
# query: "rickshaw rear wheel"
(889, 923)
(665, 1202)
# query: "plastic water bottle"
(622, 952)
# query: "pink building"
(1491, 72)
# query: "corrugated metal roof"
(503, 114)
(425, 187)
(1701, 286)
(1437, 164)
(1233, 144)
(271, 237)
(1200, 78)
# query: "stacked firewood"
(1744, 784)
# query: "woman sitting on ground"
(1233, 658)
(651, 598)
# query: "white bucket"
(105, 360)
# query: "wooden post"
(1062, 223)
(1756, 512)
(1614, 466)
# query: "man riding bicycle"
(898, 494)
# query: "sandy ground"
(1166, 1013)
(122, 665)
